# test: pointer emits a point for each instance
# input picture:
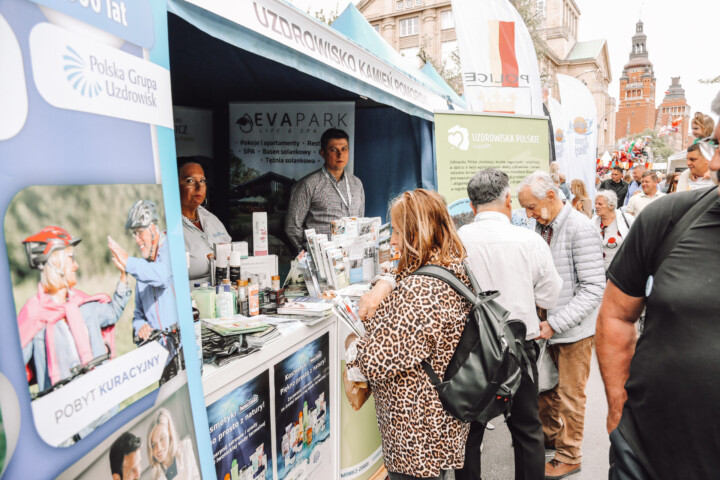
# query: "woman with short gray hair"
(612, 224)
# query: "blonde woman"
(170, 457)
(581, 200)
(422, 319)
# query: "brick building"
(674, 106)
(636, 110)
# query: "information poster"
(302, 413)
(96, 343)
(360, 443)
(240, 431)
(466, 143)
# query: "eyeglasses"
(190, 182)
(136, 233)
(708, 146)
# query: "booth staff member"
(327, 194)
(201, 228)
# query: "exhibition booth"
(257, 73)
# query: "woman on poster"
(170, 457)
(62, 327)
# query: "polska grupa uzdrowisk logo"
(458, 137)
(77, 73)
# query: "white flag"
(498, 62)
(578, 105)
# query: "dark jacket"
(620, 189)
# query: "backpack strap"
(684, 224)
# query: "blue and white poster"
(92, 346)
(240, 431)
(302, 413)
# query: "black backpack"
(486, 369)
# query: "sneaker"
(556, 469)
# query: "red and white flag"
(499, 68)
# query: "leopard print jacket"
(422, 318)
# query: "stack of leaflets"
(235, 325)
(347, 311)
(306, 306)
(260, 339)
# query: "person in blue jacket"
(155, 306)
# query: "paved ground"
(497, 459)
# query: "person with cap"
(62, 327)
(155, 307)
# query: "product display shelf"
(217, 381)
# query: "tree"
(659, 145)
(449, 69)
(328, 17)
(710, 80)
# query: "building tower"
(674, 106)
(636, 111)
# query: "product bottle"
(275, 282)
(234, 294)
(205, 299)
(234, 266)
(253, 300)
(221, 269)
(224, 302)
(243, 305)
(305, 421)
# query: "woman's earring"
(204, 203)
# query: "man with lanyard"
(327, 194)
(155, 307)
(634, 186)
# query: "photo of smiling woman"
(170, 457)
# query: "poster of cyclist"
(96, 310)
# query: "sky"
(683, 37)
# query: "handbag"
(356, 392)
(547, 371)
(486, 368)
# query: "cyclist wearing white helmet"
(61, 327)
(155, 307)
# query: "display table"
(281, 412)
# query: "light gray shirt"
(199, 243)
(317, 199)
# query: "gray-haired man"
(570, 328)
(516, 262)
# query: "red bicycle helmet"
(38, 247)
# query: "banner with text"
(563, 136)
(578, 106)
(283, 23)
(498, 64)
(240, 431)
(302, 413)
(94, 333)
(467, 143)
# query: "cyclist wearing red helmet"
(62, 327)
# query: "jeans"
(525, 429)
(562, 409)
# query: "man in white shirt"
(698, 174)
(650, 193)
(518, 263)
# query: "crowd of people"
(580, 280)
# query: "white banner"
(284, 138)
(193, 132)
(75, 72)
(291, 27)
(563, 136)
(499, 67)
(580, 112)
(63, 413)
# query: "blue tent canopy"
(215, 61)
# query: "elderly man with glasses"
(669, 266)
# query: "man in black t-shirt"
(616, 184)
(663, 391)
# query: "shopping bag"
(547, 371)
(356, 392)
